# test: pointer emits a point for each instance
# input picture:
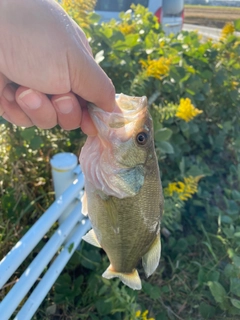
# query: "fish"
(123, 193)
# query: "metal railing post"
(63, 172)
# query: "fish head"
(118, 154)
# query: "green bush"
(193, 91)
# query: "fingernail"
(30, 99)
(64, 104)
(9, 94)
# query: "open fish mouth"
(127, 110)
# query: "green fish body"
(123, 193)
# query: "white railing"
(68, 183)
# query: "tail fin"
(131, 280)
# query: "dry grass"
(211, 16)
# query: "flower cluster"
(142, 316)
(186, 110)
(227, 29)
(184, 189)
(156, 68)
(126, 28)
(78, 10)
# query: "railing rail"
(68, 184)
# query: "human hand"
(47, 55)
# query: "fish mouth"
(127, 110)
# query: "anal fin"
(151, 259)
(131, 280)
(91, 238)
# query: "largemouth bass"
(123, 192)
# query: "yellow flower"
(186, 110)
(138, 313)
(162, 43)
(126, 28)
(227, 29)
(142, 316)
(234, 85)
(185, 189)
(156, 68)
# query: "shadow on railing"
(68, 184)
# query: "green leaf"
(221, 76)
(163, 134)
(236, 195)
(231, 271)
(36, 142)
(93, 17)
(130, 41)
(162, 316)
(235, 303)
(90, 259)
(152, 291)
(237, 234)
(28, 134)
(233, 207)
(107, 32)
(237, 24)
(207, 311)
(213, 275)
(235, 286)
(165, 147)
(236, 261)
(184, 126)
(218, 291)
(103, 307)
(63, 282)
(70, 247)
(201, 276)
(227, 219)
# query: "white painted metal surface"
(68, 183)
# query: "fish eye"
(142, 138)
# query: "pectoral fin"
(131, 280)
(91, 238)
(151, 259)
(84, 204)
